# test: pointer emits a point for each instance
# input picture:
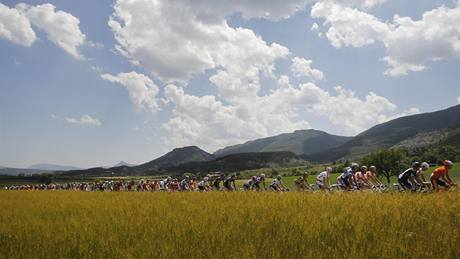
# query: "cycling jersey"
(227, 182)
(439, 172)
(276, 184)
(184, 185)
(216, 183)
(407, 174)
(347, 172)
(322, 176)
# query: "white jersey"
(202, 183)
(276, 182)
(322, 176)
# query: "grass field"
(59, 224)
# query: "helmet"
(279, 177)
(416, 164)
(206, 179)
(372, 168)
(448, 163)
(262, 175)
(363, 168)
(425, 165)
(354, 165)
(329, 169)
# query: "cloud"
(142, 90)
(458, 100)
(53, 116)
(175, 40)
(15, 27)
(84, 120)
(212, 124)
(349, 26)
(62, 28)
(302, 67)
(410, 44)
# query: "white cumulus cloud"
(410, 44)
(458, 100)
(212, 124)
(62, 28)
(142, 90)
(176, 39)
(15, 27)
(84, 120)
(303, 67)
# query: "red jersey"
(439, 172)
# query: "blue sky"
(211, 74)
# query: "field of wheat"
(63, 224)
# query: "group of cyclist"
(352, 178)
(411, 179)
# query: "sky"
(91, 83)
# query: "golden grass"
(228, 225)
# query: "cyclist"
(302, 184)
(229, 183)
(249, 185)
(277, 184)
(407, 178)
(216, 182)
(322, 179)
(259, 180)
(184, 184)
(420, 177)
(347, 180)
(360, 177)
(440, 176)
(371, 176)
(203, 185)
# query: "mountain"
(176, 157)
(52, 167)
(298, 142)
(389, 134)
(431, 138)
(240, 162)
(18, 171)
(123, 163)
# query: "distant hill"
(298, 142)
(389, 134)
(123, 163)
(52, 167)
(18, 171)
(242, 161)
(176, 157)
(229, 163)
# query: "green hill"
(242, 161)
(298, 142)
(176, 157)
(389, 134)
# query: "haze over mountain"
(299, 142)
(52, 167)
(389, 134)
(123, 163)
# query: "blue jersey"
(347, 172)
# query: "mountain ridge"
(388, 134)
(298, 142)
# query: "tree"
(389, 162)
